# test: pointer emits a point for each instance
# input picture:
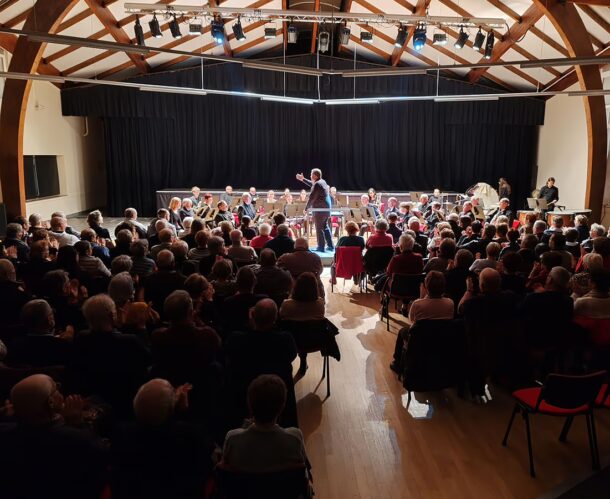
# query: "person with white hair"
(302, 260)
(160, 454)
(282, 242)
(59, 233)
(39, 346)
(186, 210)
(49, 453)
(407, 262)
(380, 238)
(504, 211)
(106, 362)
(596, 230)
(246, 208)
(258, 242)
(186, 224)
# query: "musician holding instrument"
(423, 205)
(223, 213)
(392, 207)
(246, 208)
(550, 193)
(196, 197)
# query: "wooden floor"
(363, 442)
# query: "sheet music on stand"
(537, 204)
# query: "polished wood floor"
(364, 443)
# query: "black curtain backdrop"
(155, 141)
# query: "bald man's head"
(7, 270)
(264, 314)
(489, 281)
(301, 243)
(36, 399)
(154, 403)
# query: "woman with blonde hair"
(175, 204)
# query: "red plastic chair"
(560, 396)
(348, 263)
(598, 329)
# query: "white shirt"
(63, 238)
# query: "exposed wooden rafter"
(595, 16)
(420, 10)
(518, 30)
(570, 77)
(105, 16)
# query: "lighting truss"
(310, 16)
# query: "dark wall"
(156, 141)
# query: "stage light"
(155, 29)
(401, 37)
(218, 31)
(366, 37)
(439, 39)
(195, 29)
(270, 33)
(478, 40)
(323, 41)
(293, 33)
(344, 34)
(419, 37)
(238, 31)
(139, 32)
(174, 27)
(461, 39)
(489, 45)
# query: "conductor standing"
(319, 199)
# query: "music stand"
(542, 204)
(415, 196)
(341, 200)
(532, 204)
(367, 212)
(479, 214)
(354, 202)
(292, 210)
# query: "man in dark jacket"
(319, 198)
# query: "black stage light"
(461, 39)
(218, 31)
(323, 41)
(366, 37)
(270, 33)
(293, 33)
(155, 29)
(174, 27)
(489, 45)
(344, 34)
(439, 39)
(139, 32)
(419, 37)
(479, 39)
(401, 37)
(238, 31)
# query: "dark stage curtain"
(156, 141)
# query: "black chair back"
(435, 357)
(405, 285)
(376, 259)
(287, 484)
(569, 392)
(312, 336)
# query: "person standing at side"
(319, 198)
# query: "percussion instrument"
(567, 215)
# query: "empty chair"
(348, 264)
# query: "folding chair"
(347, 265)
(404, 287)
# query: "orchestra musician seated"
(504, 210)
(405, 213)
(227, 195)
(246, 208)
(187, 209)
(392, 207)
(223, 213)
(196, 197)
(423, 205)
(364, 202)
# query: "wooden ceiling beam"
(601, 3)
(516, 32)
(45, 17)
(314, 28)
(569, 25)
(588, 10)
(7, 4)
(11, 23)
(81, 16)
(420, 9)
(106, 17)
(540, 34)
(569, 77)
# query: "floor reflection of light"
(417, 410)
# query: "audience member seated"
(239, 253)
(34, 270)
(595, 232)
(430, 305)
(263, 446)
(166, 237)
(236, 308)
(217, 251)
(547, 314)
(380, 237)
(222, 281)
(142, 266)
(201, 246)
(121, 263)
(65, 297)
(49, 452)
(14, 238)
(512, 279)
(572, 244)
(183, 352)
(352, 238)
(160, 284)
(304, 304)
(513, 243)
(196, 225)
(302, 260)
(490, 262)
(279, 219)
(393, 228)
(122, 291)
(271, 280)
(592, 310)
(540, 271)
(98, 249)
(407, 262)
(420, 238)
(95, 221)
(557, 228)
(160, 455)
(282, 242)
(122, 244)
(59, 234)
(457, 274)
(90, 265)
(131, 216)
(39, 346)
(261, 349)
(246, 229)
(263, 238)
(107, 363)
(557, 243)
(580, 283)
(446, 252)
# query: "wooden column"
(44, 17)
(570, 26)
